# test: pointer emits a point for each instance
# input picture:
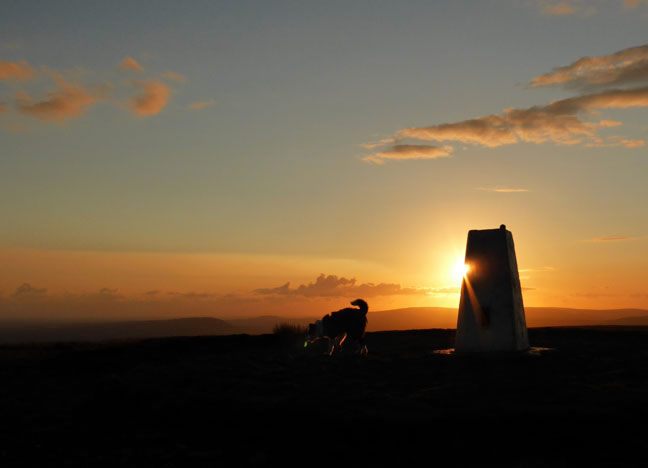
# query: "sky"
(167, 159)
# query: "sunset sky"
(238, 158)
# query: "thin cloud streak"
(174, 76)
(202, 104)
(612, 239)
(402, 152)
(503, 190)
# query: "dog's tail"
(364, 307)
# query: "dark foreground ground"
(265, 400)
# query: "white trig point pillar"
(491, 312)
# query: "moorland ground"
(246, 400)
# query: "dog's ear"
(312, 329)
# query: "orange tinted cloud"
(559, 9)
(491, 131)
(400, 152)
(16, 71)
(634, 3)
(377, 144)
(612, 99)
(202, 104)
(70, 100)
(611, 239)
(613, 141)
(152, 99)
(332, 286)
(626, 66)
(557, 122)
(130, 64)
(504, 190)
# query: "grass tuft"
(289, 329)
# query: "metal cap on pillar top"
(491, 312)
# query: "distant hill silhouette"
(412, 318)
(641, 320)
(563, 317)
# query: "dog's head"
(360, 303)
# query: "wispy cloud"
(174, 76)
(16, 71)
(447, 290)
(503, 189)
(559, 9)
(613, 141)
(193, 295)
(202, 104)
(557, 122)
(129, 63)
(153, 97)
(70, 100)
(627, 66)
(569, 121)
(566, 7)
(634, 3)
(611, 239)
(580, 7)
(540, 269)
(401, 152)
(377, 144)
(560, 122)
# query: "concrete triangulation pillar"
(491, 312)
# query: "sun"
(460, 269)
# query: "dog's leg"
(337, 342)
(342, 341)
(363, 347)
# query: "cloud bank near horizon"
(334, 286)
